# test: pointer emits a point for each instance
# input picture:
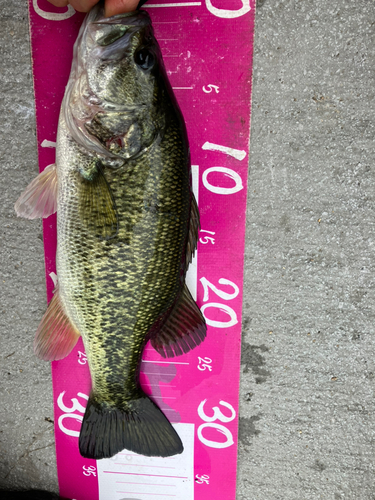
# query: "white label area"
(128, 476)
(192, 273)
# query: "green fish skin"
(127, 225)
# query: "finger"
(114, 7)
(82, 5)
(59, 3)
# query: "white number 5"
(209, 88)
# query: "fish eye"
(144, 58)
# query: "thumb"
(113, 7)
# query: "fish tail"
(138, 425)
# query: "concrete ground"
(307, 406)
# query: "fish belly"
(115, 290)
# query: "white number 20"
(220, 293)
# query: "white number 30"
(217, 415)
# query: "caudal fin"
(139, 426)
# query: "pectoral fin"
(56, 335)
(40, 197)
(184, 329)
(97, 207)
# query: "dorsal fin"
(184, 329)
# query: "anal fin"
(56, 335)
(40, 197)
(184, 329)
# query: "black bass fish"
(127, 226)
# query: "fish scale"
(152, 197)
(127, 225)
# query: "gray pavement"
(307, 406)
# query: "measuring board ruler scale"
(207, 49)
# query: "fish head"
(117, 84)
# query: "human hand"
(112, 7)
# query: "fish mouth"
(104, 36)
(114, 33)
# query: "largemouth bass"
(127, 226)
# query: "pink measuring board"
(207, 48)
